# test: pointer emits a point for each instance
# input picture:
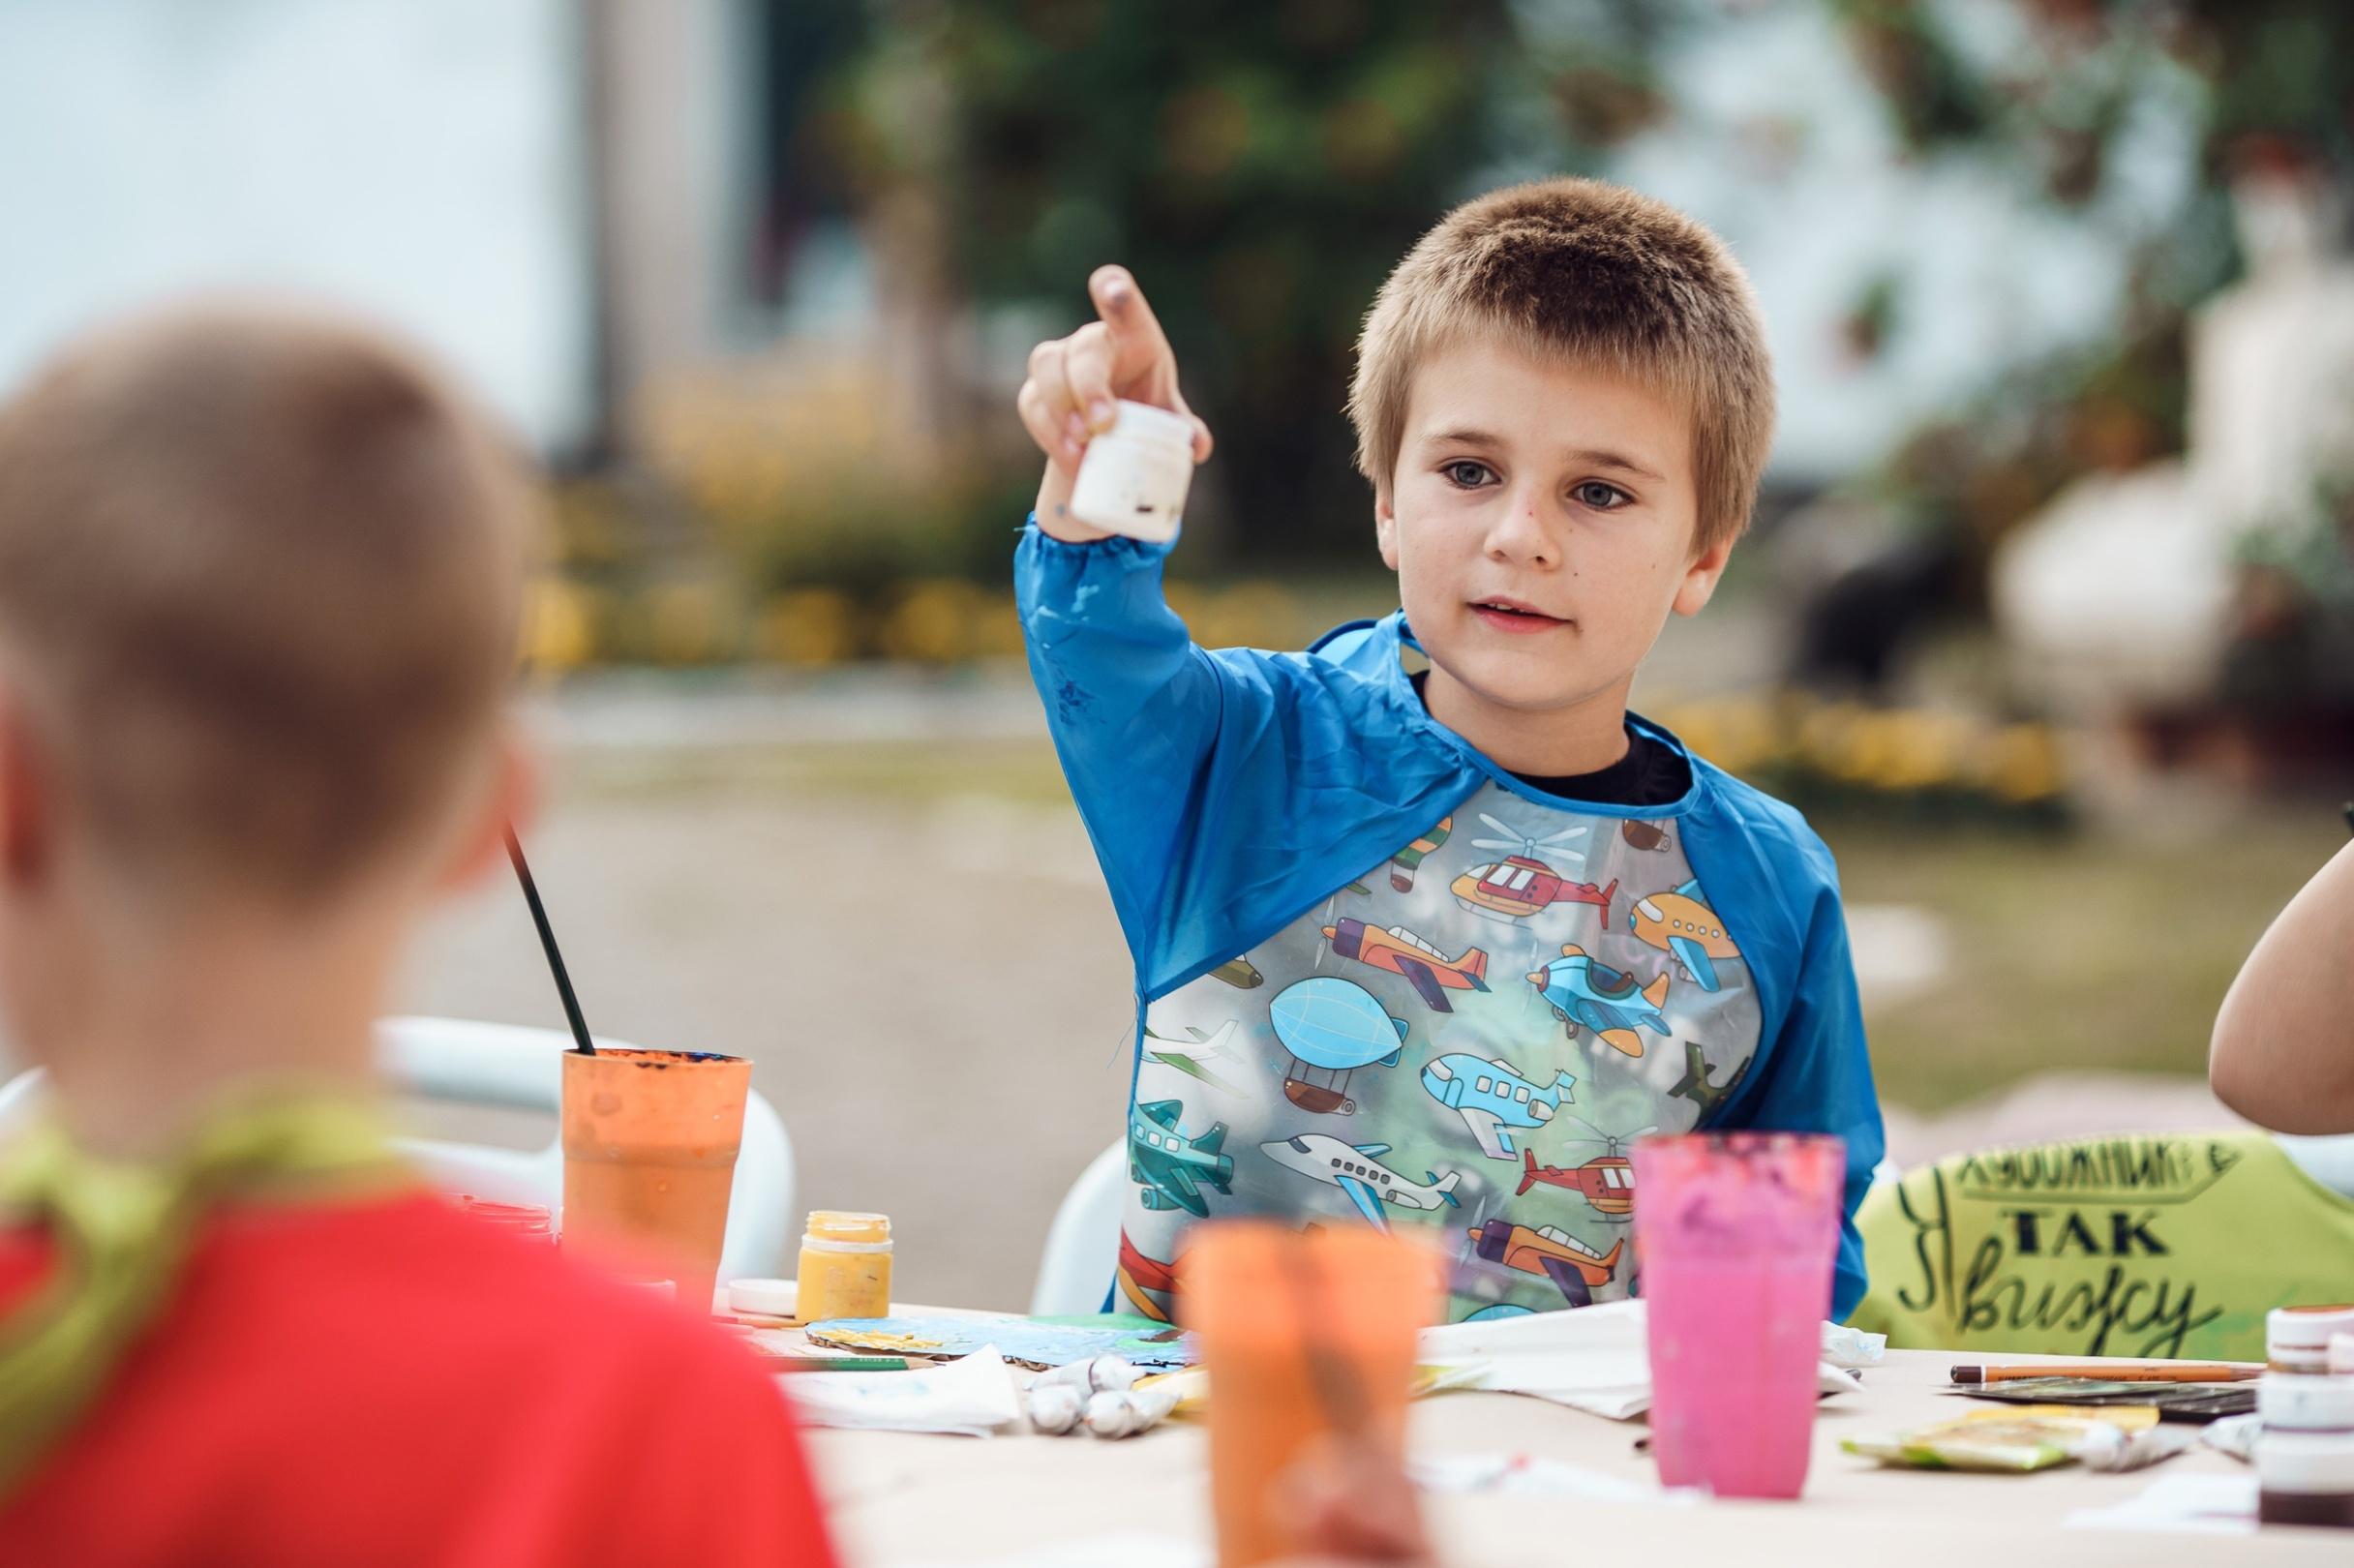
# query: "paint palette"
(2173, 1402)
(1030, 1341)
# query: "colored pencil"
(802, 1364)
(2148, 1372)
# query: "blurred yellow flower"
(933, 622)
(558, 625)
(687, 622)
(808, 626)
(2021, 764)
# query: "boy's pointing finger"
(1121, 304)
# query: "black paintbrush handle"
(547, 942)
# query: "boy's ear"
(1699, 585)
(25, 816)
(1385, 526)
(511, 799)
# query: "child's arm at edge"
(1134, 708)
(2282, 1054)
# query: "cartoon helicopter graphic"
(1607, 1181)
(1521, 883)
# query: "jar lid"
(2299, 1403)
(844, 1225)
(1142, 419)
(764, 1298)
(2306, 1328)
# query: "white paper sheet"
(1594, 1359)
(1530, 1475)
(2193, 1504)
(972, 1397)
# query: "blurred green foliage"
(1262, 163)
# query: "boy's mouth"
(1513, 616)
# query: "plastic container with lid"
(2297, 1339)
(2297, 1404)
(2306, 1478)
(518, 1220)
(845, 1266)
(2304, 1449)
(1134, 477)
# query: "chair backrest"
(1074, 1275)
(463, 1062)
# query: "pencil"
(802, 1364)
(2147, 1372)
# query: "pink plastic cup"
(1738, 1235)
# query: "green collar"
(123, 1230)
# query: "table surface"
(920, 1499)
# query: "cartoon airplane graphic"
(1491, 1095)
(1147, 1282)
(1172, 1167)
(1357, 1170)
(1239, 972)
(1576, 1268)
(1407, 860)
(1677, 922)
(1695, 1086)
(1192, 1057)
(1401, 952)
(1582, 989)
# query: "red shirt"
(390, 1382)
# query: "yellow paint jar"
(845, 1269)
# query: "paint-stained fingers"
(1089, 367)
(1047, 409)
(1052, 435)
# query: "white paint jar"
(1134, 477)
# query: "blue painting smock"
(1382, 980)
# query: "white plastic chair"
(1075, 1274)
(462, 1062)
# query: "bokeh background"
(2048, 618)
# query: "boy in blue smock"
(1431, 946)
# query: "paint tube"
(2118, 1439)
(1093, 1376)
(1055, 1408)
(1126, 1412)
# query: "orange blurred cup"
(649, 1155)
(1309, 1339)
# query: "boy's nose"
(1519, 534)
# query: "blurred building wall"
(423, 160)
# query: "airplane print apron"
(1466, 1040)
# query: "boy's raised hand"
(1068, 399)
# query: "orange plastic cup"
(649, 1155)
(1307, 1337)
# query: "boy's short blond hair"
(259, 581)
(1598, 274)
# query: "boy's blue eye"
(1465, 474)
(1600, 496)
